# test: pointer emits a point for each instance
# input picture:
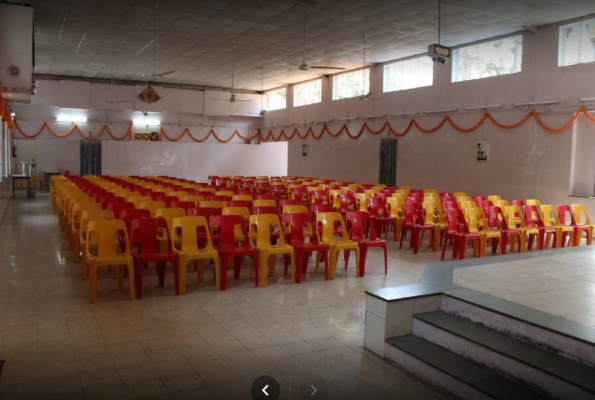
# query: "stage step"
(540, 369)
(462, 377)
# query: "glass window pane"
(484, 60)
(276, 99)
(351, 84)
(576, 44)
(409, 74)
(307, 93)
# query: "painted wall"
(526, 162)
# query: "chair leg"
(223, 277)
(363, 249)
(263, 269)
(182, 274)
(138, 278)
(131, 278)
(217, 272)
(92, 283)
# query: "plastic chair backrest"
(107, 235)
(475, 219)
(294, 209)
(497, 218)
(517, 202)
(514, 217)
(186, 205)
(169, 214)
(330, 221)
(565, 215)
(228, 227)
(395, 206)
(295, 224)
(244, 211)
(261, 226)
(579, 211)
(411, 211)
(265, 210)
(478, 199)
(549, 215)
(458, 194)
(188, 226)
(210, 204)
(455, 221)
(244, 197)
(194, 199)
(467, 204)
(129, 215)
(264, 203)
(501, 203)
(532, 216)
(117, 206)
(533, 202)
(355, 225)
(152, 206)
(144, 233)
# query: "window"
(307, 93)
(498, 57)
(275, 99)
(409, 74)
(351, 84)
(577, 43)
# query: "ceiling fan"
(304, 65)
(367, 96)
(232, 98)
(154, 74)
(112, 102)
(262, 109)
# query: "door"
(90, 157)
(388, 162)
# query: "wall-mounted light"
(484, 107)
(325, 122)
(12, 115)
(348, 119)
(536, 103)
(376, 116)
(146, 121)
(405, 114)
(586, 99)
(213, 125)
(73, 119)
(446, 110)
(108, 120)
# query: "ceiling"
(77, 38)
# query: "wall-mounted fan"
(232, 97)
(304, 65)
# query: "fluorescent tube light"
(405, 114)
(484, 107)
(73, 119)
(536, 103)
(109, 120)
(446, 110)
(347, 119)
(376, 116)
(585, 99)
(146, 121)
(213, 125)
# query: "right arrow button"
(313, 388)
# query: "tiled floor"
(204, 344)
(562, 285)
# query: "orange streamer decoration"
(310, 131)
(5, 114)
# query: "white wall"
(193, 161)
(526, 162)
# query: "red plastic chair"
(225, 226)
(263, 187)
(186, 205)
(533, 220)
(497, 222)
(298, 193)
(239, 203)
(286, 202)
(415, 222)
(318, 208)
(295, 224)
(278, 191)
(265, 210)
(380, 216)
(478, 199)
(144, 232)
(347, 203)
(457, 232)
(118, 206)
(566, 217)
(355, 226)
(318, 197)
(517, 202)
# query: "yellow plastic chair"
(333, 196)
(227, 193)
(329, 223)
(581, 217)
(109, 234)
(360, 201)
(244, 212)
(243, 197)
(80, 245)
(433, 216)
(136, 200)
(75, 219)
(467, 204)
(294, 209)
(533, 202)
(194, 199)
(64, 203)
(462, 199)
(515, 219)
(152, 206)
(168, 214)
(478, 224)
(211, 204)
(264, 203)
(459, 194)
(549, 215)
(67, 210)
(494, 198)
(501, 203)
(185, 228)
(395, 210)
(261, 226)
(178, 194)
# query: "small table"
(14, 179)
(47, 177)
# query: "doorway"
(388, 162)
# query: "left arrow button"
(265, 388)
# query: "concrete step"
(459, 376)
(547, 372)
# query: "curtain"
(90, 157)
(388, 162)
